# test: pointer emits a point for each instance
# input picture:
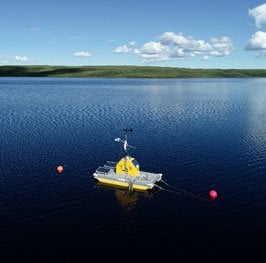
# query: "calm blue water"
(201, 134)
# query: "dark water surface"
(201, 134)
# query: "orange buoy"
(60, 169)
(213, 194)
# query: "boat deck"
(143, 181)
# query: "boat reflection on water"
(126, 198)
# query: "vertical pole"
(126, 156)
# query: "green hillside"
(126, 72)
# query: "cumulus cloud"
(222, 46)
(131, 47)
(259, 14)
(153, 52)
(123, 49)
(175, 39)
(257, 42)
(172, 45)
(15, 59)
(84, 54)
(153, 49)
(21, 59)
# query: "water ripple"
(201, 134)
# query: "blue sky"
(175, 33)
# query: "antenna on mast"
(125, 144)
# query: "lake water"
(202, 134)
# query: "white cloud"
(123, 49)
(222, 46)
(188, 44)
(173, 38)
(15, 59)
(132, 43)
(205, 57)
(84, 54)
(152, 48)
(257, 42)
(153, 52)
(216, 53)
(130, 47)
(259, 14)
(221, 43)
(201, 46)
(21, 59)
(171, 46)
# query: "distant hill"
(126, 72)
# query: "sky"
(172, 33)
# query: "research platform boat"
(126, 172)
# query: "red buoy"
(60, 169)
(213, 194)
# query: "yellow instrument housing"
(127, 165)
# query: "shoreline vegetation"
(126, 72)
